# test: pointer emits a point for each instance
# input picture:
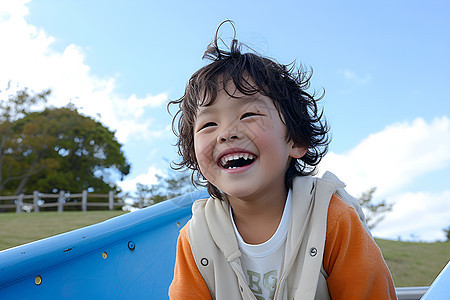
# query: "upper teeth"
(235, 156)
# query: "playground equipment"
(126, 257)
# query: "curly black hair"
(286, 85)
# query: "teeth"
(235, 156)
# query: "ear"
(298, 151)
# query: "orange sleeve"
(354, 263)
(187, 281)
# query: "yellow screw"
(104, 255)
(38, 280)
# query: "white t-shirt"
(262, 263)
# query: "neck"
(258, 219)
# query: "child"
(253, 134)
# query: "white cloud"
(352, 81)
(417, 216)
(354, 78)
(15, 9)
(29, 60)
(149, 178)
(394, 157)
(136, 106)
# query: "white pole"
(84, 200)
(61, 201)
(111, 200)
(19, 204)
(35, 201)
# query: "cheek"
(203, 150)
(204, 154)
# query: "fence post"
(84, 197)
(61, 201)
(35, 201)
(19, 204)
(111, 200)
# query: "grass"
(415, 264)
(18, 229)
(411, 264)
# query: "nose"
(228, 135)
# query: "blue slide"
(127, 257)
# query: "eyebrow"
(205, 110)
(252, 99)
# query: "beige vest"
(217, 254)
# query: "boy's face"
(241, 146)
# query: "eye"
(206, 125)
(249, 114)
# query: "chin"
(238, 193)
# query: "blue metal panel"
(127, 257)
(440, 288)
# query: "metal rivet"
(178, 224)
(313, 251)
(104, 255)
(131, 245)
(38, 280)
(204, 261)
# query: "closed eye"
(206, 125)
(249, 114)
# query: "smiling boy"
(253, 134)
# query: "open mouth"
(236, 160)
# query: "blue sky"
(384, 66)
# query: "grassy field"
(414, 264)
(411, 264)
(18, 229)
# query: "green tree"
(447, 233)
(375, 212)
(80, 153)
(14, 106)
(56, 149)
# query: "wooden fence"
(35, 202)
